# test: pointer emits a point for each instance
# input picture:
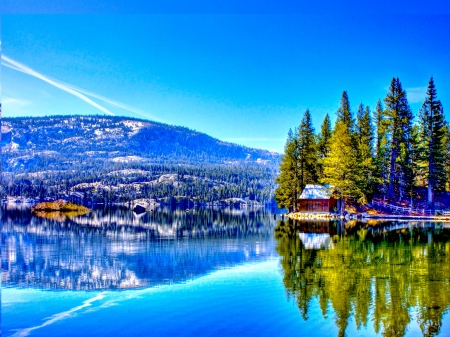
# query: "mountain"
(104, 156)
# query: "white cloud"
(78, 92)
(10, 63)
(15, 102)
(416, 95)
(110, 101)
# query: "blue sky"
(245, 78)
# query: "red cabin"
(318, 199)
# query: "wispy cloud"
(110, 101)
(15, 102)
(78, 92)
(10, 63)
(416, 95)
(58, 317)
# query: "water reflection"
(113, 248)
(385, 275)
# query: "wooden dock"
(406, 217)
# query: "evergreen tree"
(324, 137)
(406, 181)
(344, 113)
(287, 180)
(359, 118)
(418, 149)
(447, 152)
(381, 161)
(339, 167)
(364, 138)
(399, 126)
(307, 152)
(323, 142)
(298, 165)
(433, 130)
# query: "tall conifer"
(287, 180)
(447, 154)
(399, 125)
(298, 165)
(323, 142)
(381, 161)
(359, 117)
(364, 138)
(418, 158)
(307, 152)
(433, 130)
(344, 113)
(340, 165)
(324, 137)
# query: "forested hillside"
(120, 159)
(385, 153)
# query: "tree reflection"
(113, 248)
(385, 275)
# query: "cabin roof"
(311, 192)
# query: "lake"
(224, 272)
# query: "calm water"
(221, 272)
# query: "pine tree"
(324, 137)
(339, 167)
(307, 152)
(447, 153)
(364, 138)
(381, 161)
(285, 194)
(323, 142)
(399, 126)
(344, 113)
(433, 130)
(418, 158)
(298, 165)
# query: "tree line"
(383, 153)
(118, 159)
(122, 182)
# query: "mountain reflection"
(385, 275)
(113, 248)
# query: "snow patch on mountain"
(127, 159)
(109, 132)
(135, 126)
(6, 127)
(261, 161)
(127, 172)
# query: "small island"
(58, 209)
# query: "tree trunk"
(430, 194)
(390, 192)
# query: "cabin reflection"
(384, 274)
(316, 241)
(113, 249)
